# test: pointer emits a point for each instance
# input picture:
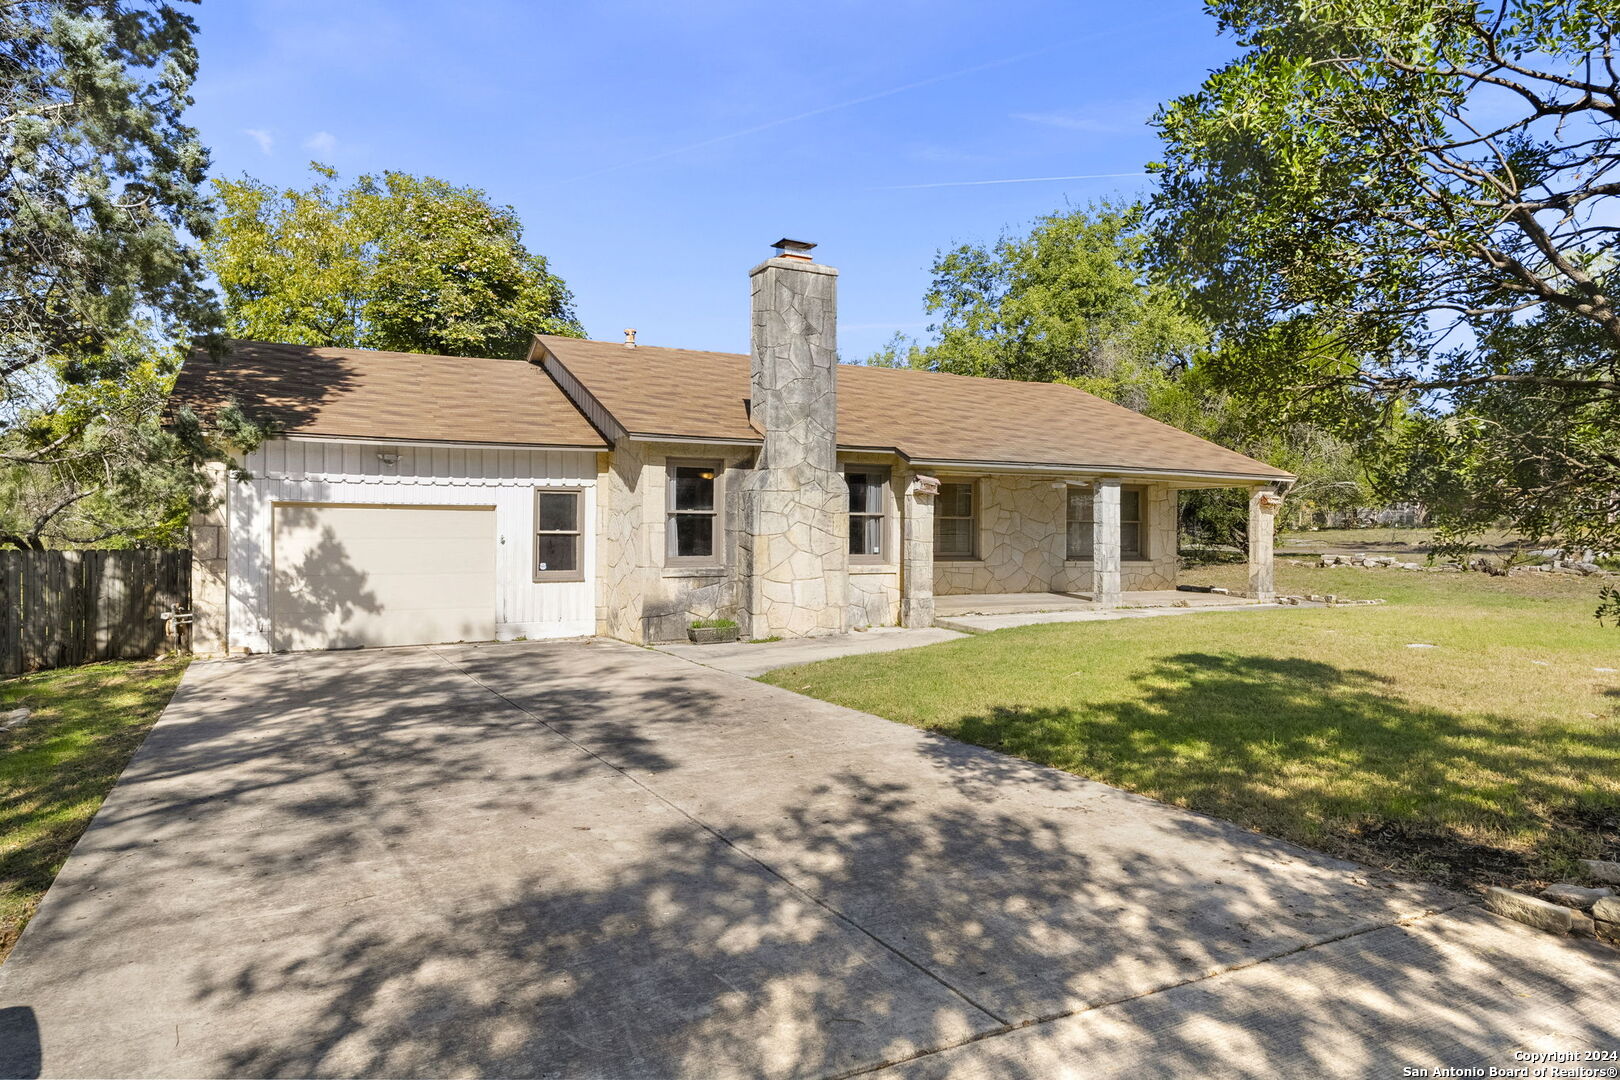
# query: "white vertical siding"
(352, 472)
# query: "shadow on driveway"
(585, 859)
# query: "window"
(694, 517)
(558, 537)
(1082, 523)
(1130, 523)
(955, 522)
(868, 537)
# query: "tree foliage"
(99, 191)
(99, 180)
(1066, 300)
(398, 262)
(1408, 207)
(103, 465)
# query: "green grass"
(54, 770)
(714, 624)
(1492, 758)
(1409, 543)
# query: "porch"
(1009, 546)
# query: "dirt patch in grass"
(55, 769)
(1435, 854)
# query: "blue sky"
(655, 150)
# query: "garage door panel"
(351, 576)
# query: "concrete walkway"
(753, 658)
(983, 624)
(584, 859)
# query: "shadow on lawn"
(358, 865)
(1327, 756)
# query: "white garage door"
(350, 576)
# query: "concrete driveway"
(586, 859)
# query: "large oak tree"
(1409, 208)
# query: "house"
(627, 490)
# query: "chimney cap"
(793, 249)
(629, 337)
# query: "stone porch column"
(209, 555)
(1105, 543)
(1263, 504)
(917, 553)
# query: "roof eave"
(1202, 477)
(597, 446)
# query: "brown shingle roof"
(368, 394)
(926, 416)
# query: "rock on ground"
(1529, 910)
(1573, 896)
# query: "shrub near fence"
(59, 608)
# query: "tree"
(402, 262)
(1408, 208)
(99, 190)
(1067, 300)
(103, 466)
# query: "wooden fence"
(59, 608)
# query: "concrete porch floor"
(949, 607)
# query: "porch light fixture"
(388, 457)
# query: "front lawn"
(57, 767)
(1491, 757)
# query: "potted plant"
(712, 631)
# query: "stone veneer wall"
(794, 545)
(210, 549)
(1023, 538)
(1022, 534)
(639, 598)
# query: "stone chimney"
(795, 548)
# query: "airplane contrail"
(1015, 180)
(852, 102)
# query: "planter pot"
(711, 635)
